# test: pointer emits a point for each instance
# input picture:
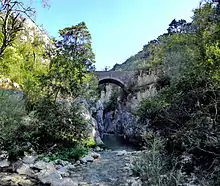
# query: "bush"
(149, 164)
(56, 124)
(190, 124)
(151, 108)
(50, 124)
(12, 110)
(69, 154)
(90, 142)
(153, 167)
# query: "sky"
(119, 28)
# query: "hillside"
(134, 61)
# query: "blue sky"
(119, 28)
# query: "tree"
(74, 60)
(12, 15)
(177, 26)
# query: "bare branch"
(13, 14)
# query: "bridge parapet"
(122, 76)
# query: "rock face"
(118, 119)
(87, 111)
(93, 125)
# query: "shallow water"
(116, 142)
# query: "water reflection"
(116, 142)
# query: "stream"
(117, 142)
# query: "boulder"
(87, 158)
(98, 149)
(15, 179)
(121, 153)
(29, 159)
(4, 163)
(40, 165)
(25, 170)
(3, 155)
(49, 176)
(61, 162)
(95, 155)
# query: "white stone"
(77, 162)
(25, 170)
(3, 155)
(29, 159)
(4, 163)
(49, 177)
(43, 165)
(87, 158)
(121, 153)
(98, 149)
(65, 182)
(63, 171)
(61, 162)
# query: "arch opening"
(114, 81)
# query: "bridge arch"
(114, 81)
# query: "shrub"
(11, 112)
(69, 154)
(148, 165)
(151, 108)
(50, 124)
(56, 124)
(90, 142)
(152, 166)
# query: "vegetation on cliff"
(47, 73)
(185, 113)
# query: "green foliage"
(69, 69)
(112, 103)
(152, 166)
(90, 142)
(56, 124)
(151, 108)
(48, 125)
(12, 112)
(68, 154)
(43, 75)
(23, 63)
(186, 111)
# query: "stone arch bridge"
(120, 78)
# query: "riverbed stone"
(4, 163)
(25, 170)
(87, 158)
(29, 159)
(77, 162)
(64, 172)
(121, 153)
(61, 162)
(97, 149)
(95, 155)
(14, 179)
(49, 176)
(3, 155)
(66, 182)
(40, 165)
